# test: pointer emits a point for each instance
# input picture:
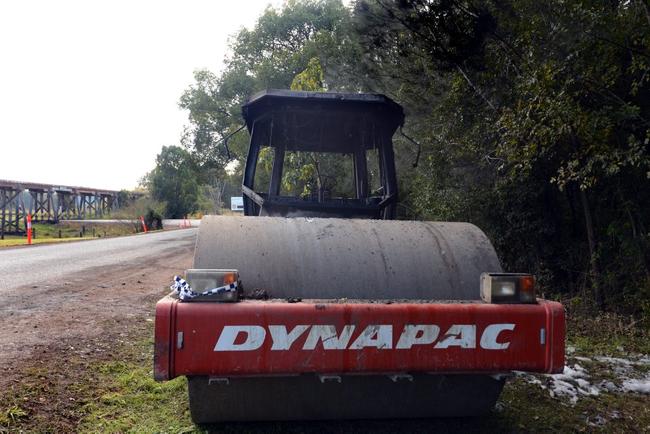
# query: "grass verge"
(71, 230)
(131, 401)
(22, 241)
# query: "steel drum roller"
(347, 258)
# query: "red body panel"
(528, 338)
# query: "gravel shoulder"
(87, 312)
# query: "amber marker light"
(508, 288)
(229, 278)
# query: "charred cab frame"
(327, 123)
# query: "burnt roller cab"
(366, 317)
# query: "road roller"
(319, 303)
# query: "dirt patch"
(53, 333)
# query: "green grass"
(529, 408)
(607, 334)
(133, 402)
(22, 241)
(12, 415)
(69, 231)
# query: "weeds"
(11, 416)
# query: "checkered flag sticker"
(185, 292)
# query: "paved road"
(40, 264)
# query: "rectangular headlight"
(508, 288)
(201, 280)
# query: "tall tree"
(270, 55)
(174, 181)
(534, 119)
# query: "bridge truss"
(50, 203)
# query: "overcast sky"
(89, 89)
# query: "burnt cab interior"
(321, 154)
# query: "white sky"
(89, 90)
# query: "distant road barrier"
(29, 228)
(181, 223)
(144, 225)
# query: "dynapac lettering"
(380, 336)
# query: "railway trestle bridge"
(50, 203)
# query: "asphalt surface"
(42, 263)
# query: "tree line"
(530, 119)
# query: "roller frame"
(319, 383)
(525, 337)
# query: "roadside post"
(144, 225)
(29, 228)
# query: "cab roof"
(322, 121)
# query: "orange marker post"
(29, 228)
(144, 225)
